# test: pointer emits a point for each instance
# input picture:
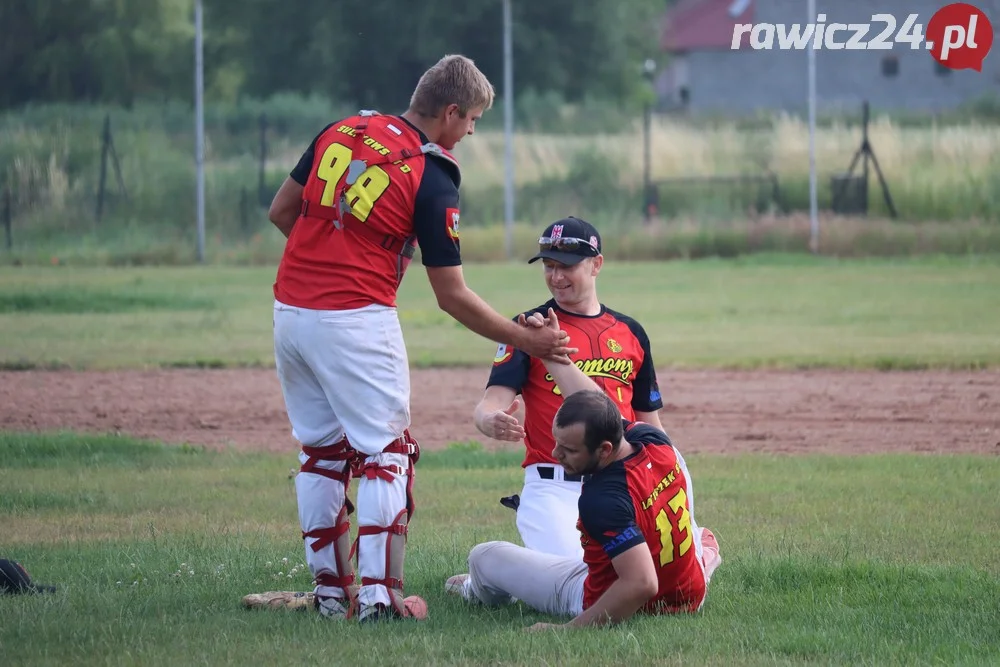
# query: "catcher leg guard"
(385, 506)
(321, 488)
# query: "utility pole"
(199, 128)
(508, 131)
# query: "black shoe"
(376, 613)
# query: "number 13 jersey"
(644, 498)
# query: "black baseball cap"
(14, 580)
(568, 241)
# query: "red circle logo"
(959, 36)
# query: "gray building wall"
(749, 80)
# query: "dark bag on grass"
(14, 580)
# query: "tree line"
(367, 52)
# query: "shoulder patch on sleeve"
(504, 353)
(451, 216)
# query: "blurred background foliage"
(360, 52)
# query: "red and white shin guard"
(321, 487)
(385, 507)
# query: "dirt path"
(706, 411)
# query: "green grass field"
(879, 559)
(760, 311)
(870, 560)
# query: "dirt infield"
(706, 411)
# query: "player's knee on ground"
(482, 557)
(486, 573)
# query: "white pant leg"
(314, 424)
(499, 571)
(313, 420)
(547, 516)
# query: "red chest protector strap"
(390, 242)
(341, 214)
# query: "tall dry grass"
(952, 153)
(50, 161)
(932, 172)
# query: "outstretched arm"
(571, 379)
(455, 298)
(566, 374)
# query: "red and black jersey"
(644, 498)
(326, 268)
(613, 351)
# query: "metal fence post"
(244, 212)
(105, 145)
(7, 218)
(261, 185)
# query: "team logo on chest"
(614, 346)
(619, 370)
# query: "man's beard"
(593, 465)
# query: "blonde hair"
(452, 80)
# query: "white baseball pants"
(501, 572)
(547, 516)
(345, 373)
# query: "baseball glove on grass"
(290, 600)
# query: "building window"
(940, 69)
(890, 66)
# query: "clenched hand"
(543, 339)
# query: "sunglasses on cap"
(566, 243)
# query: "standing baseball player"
(366, 192)
(613, 350)
(643, 550)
